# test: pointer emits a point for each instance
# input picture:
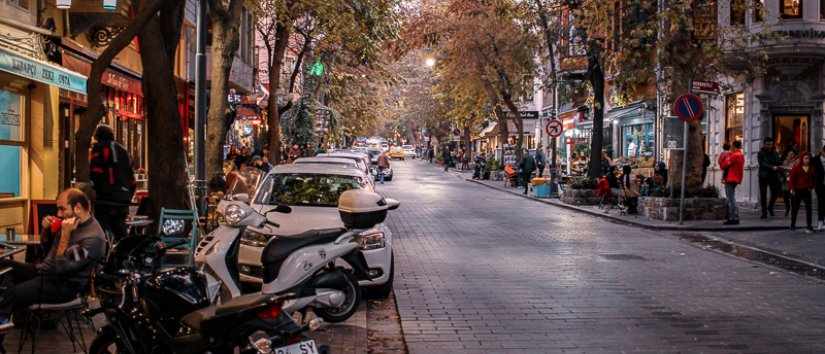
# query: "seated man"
(78, 246)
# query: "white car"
(409, 151)
(312, 191)
(363, 160)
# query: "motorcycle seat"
(196, 319)
(279, 248)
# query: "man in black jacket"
(769, 165)
(527, 166)
(111, 174)
(819, 186)
(67, 267)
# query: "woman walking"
(800, 184)
(787, 166)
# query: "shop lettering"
(24, 67)
(804, 34)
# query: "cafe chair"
(176, 225)
(67, 315)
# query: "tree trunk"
(596, 76)
(225, 43)
(503, 133)
(273, 115)
(466, 138)
(168, 178)
(92, 116)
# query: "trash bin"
(541, 187)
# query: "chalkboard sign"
(37, 210)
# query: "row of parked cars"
(311, 187)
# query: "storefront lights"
(109, 5)
(63, 4)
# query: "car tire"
(383, 291)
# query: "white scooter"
(301, 264)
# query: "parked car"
(328, 161)
(409, 151)
(397, 153)
(362, 160)
(312, 191)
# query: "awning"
(41, 71)
(489, 129)
(633, 110)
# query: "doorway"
(792, 132)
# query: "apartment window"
(734, 116)
(790, 8)
(23, 4)
(738, 9)
(11, 143)
(759, 10)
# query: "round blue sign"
(689, 108)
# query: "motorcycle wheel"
(351, 302)
(105, 343)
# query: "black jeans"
(771, 182)
(113, 219)
(798, 197)
(540, 169)
(526, 179)
(23, 286)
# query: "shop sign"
(674, 133)
(708, 87)
(109, 78)
(527, 114)
(42, 72)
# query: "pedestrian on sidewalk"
(733, 166)
(446, 156)
(722, 157)
(111, 174)
(800, 184)
(632, 188)
(819, 187)
(541, 161)
(430, 155)
(769, 167)
(527, 166)
(383, 164)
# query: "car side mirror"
(241, 197)
(392, 204)
(281, 208)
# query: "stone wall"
(667, 209)
(580, 197)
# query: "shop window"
(637, 140)
(11, 143)
(738, 9)
(23, 4)
(734, 116)
(790, 8)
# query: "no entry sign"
(554, 128)
(689, 108)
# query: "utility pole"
(200, 108)
(658, 122)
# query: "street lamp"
(429, 62)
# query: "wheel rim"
(349, 302)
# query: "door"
(792, 132)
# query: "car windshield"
(306, 189)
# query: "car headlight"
(254, 239)
(172, 227)
(234, 214)
(372, 240)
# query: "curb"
(632, 222)
(798, 265)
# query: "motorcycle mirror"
(280, 208)
(241, 197)
(392, 204)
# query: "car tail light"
(271, 312)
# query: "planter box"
(580, 197)
(667, 209)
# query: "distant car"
(385, 147)
(397, 153)
(312, 191)
(409, 151)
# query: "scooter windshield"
(244, 181)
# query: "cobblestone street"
(485, 271)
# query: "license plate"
(307, 347)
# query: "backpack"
(111, 174)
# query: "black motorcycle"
(145, 310)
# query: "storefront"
(635, 137)
(123, 100)
(30, 140)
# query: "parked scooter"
(143, 310)
(308, 265)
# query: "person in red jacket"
(733, 166)
(800, 183)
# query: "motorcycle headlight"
(234, 214)
(172, 227)
(254, 239)
(372, 240)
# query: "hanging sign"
(41, 72)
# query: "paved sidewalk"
(771, 237)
